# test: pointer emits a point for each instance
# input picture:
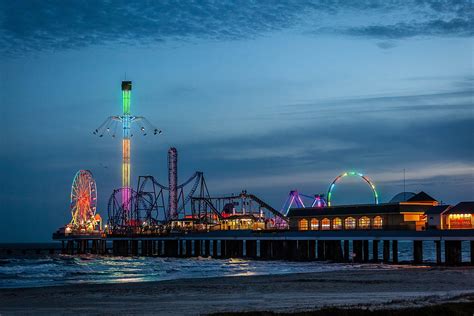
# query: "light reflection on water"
(67, 270)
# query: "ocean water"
(56, 270)
(67, 270)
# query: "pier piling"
(438, 251)
(453, 255)
(386, 251)
(472, 251)
(357, 250)
(197, 248)
(346, 251)
(251, 248)
(366, 251)
(395, 251)
(321, 254)
(207, 248)
(311, 250)
(287, 246)
(418, 251)
(375, 250)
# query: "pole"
(173, 183)
(126, 122)
(404, 187)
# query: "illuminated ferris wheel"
(352, 174)
(83, 200)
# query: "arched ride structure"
(295, 199)
(149, 210)
(245, 203)
(352, 174)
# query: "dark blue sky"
(266, 96)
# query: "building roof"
(402, 197)
(422, 197)
(436, 210)
(462, 208)
(184, 220)
(241, 216)
(346, 210)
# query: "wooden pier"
(336, 246)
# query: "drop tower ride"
(126, 119)
(126, 122)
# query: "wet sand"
(378, 289)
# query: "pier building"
(409, 215)
(182, 219)
(421, 212)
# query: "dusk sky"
(266, 96)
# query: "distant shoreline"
(379, 289)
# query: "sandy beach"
(378, 289)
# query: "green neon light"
(353, 173)
(126, 102)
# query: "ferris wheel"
(83, 200)
(356, 174)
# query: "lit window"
(303, 224)
(336, 223)
(364, 222)
(378, 222)
(325, 224)
(460, 221)
(350, 223)
(314, 224)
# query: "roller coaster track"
(209, 203)
(267, 206)
(197, 177)
(254, 198)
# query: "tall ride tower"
(126, 119)
(126, 126)
(173, 183)
(126, 122)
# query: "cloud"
(386, 45)
(454, 27)
(430, 134)
(402, 109)
(435, 145)
(56, 25)
(423, 173)
(437, 155)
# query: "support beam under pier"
(395, 251)
(418, 251)
(251, 249)
(375, 250)
(438, 251)
(321, 254)
(311, 250)
(386, 251)
(472, 251)
(453, 253)
(365, 257)
(357, 250)
(347, 255)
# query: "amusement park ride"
(110, 126)
(181, 220)
(155, 208)
(146, 210)
(84, 203)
